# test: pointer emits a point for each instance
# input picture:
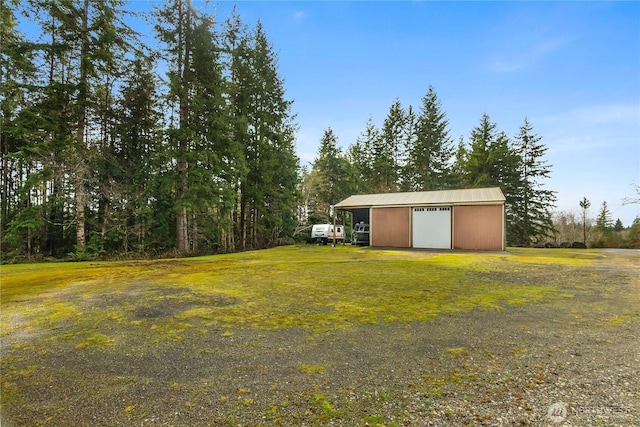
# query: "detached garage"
(452, 219)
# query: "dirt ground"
(568, 362)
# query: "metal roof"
(424, 198)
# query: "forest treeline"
(103, 154)
(110, 147)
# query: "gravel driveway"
(568, 362)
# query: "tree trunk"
(105, 222)
(56, 236)
(81, 171)
(80, 217)
(4, 194)
(184, 23)
(243, 217)
(182, 234)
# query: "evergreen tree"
(330, 169)
(139, 158)
(388, 151)
(112, 41)
(476, 166)
(263, 124)
(604, 221)
(489, 160)
(618, 225)
(17, 224)
(459, 164)
(197, 136)
(98, 38)
(633, 238)
(505, 172)
(430, 152)
(54, 116)
(531, 204)
(361, 155)
(33, 150)
(276, 164)
(175, 29)
(212, 151)
(409, 137)
(78, 44)
(606, 236)
(236, 53)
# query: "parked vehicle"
(324, 233)
(360, 234)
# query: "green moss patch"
(315, 288)
(309, 287)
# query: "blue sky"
(571, 68)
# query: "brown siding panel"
(391, 227)
(478, 227)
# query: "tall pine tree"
(361, 157)
(274, 166)
(139, 158)
(428, 165)
(388, 151)
(262, 123)
(604, 221)
(197, 135)
(18, 221)
(531, 206)
(330, 170)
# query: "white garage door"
(432, 227)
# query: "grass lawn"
(316, 288)
(105, 308)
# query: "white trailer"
(324, 233)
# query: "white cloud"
(299, 16)
(519, 60)
(574, 143)
(607, 114)
(594, 126)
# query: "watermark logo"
(557, 412)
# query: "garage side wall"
(478, 227)
(391, 227)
